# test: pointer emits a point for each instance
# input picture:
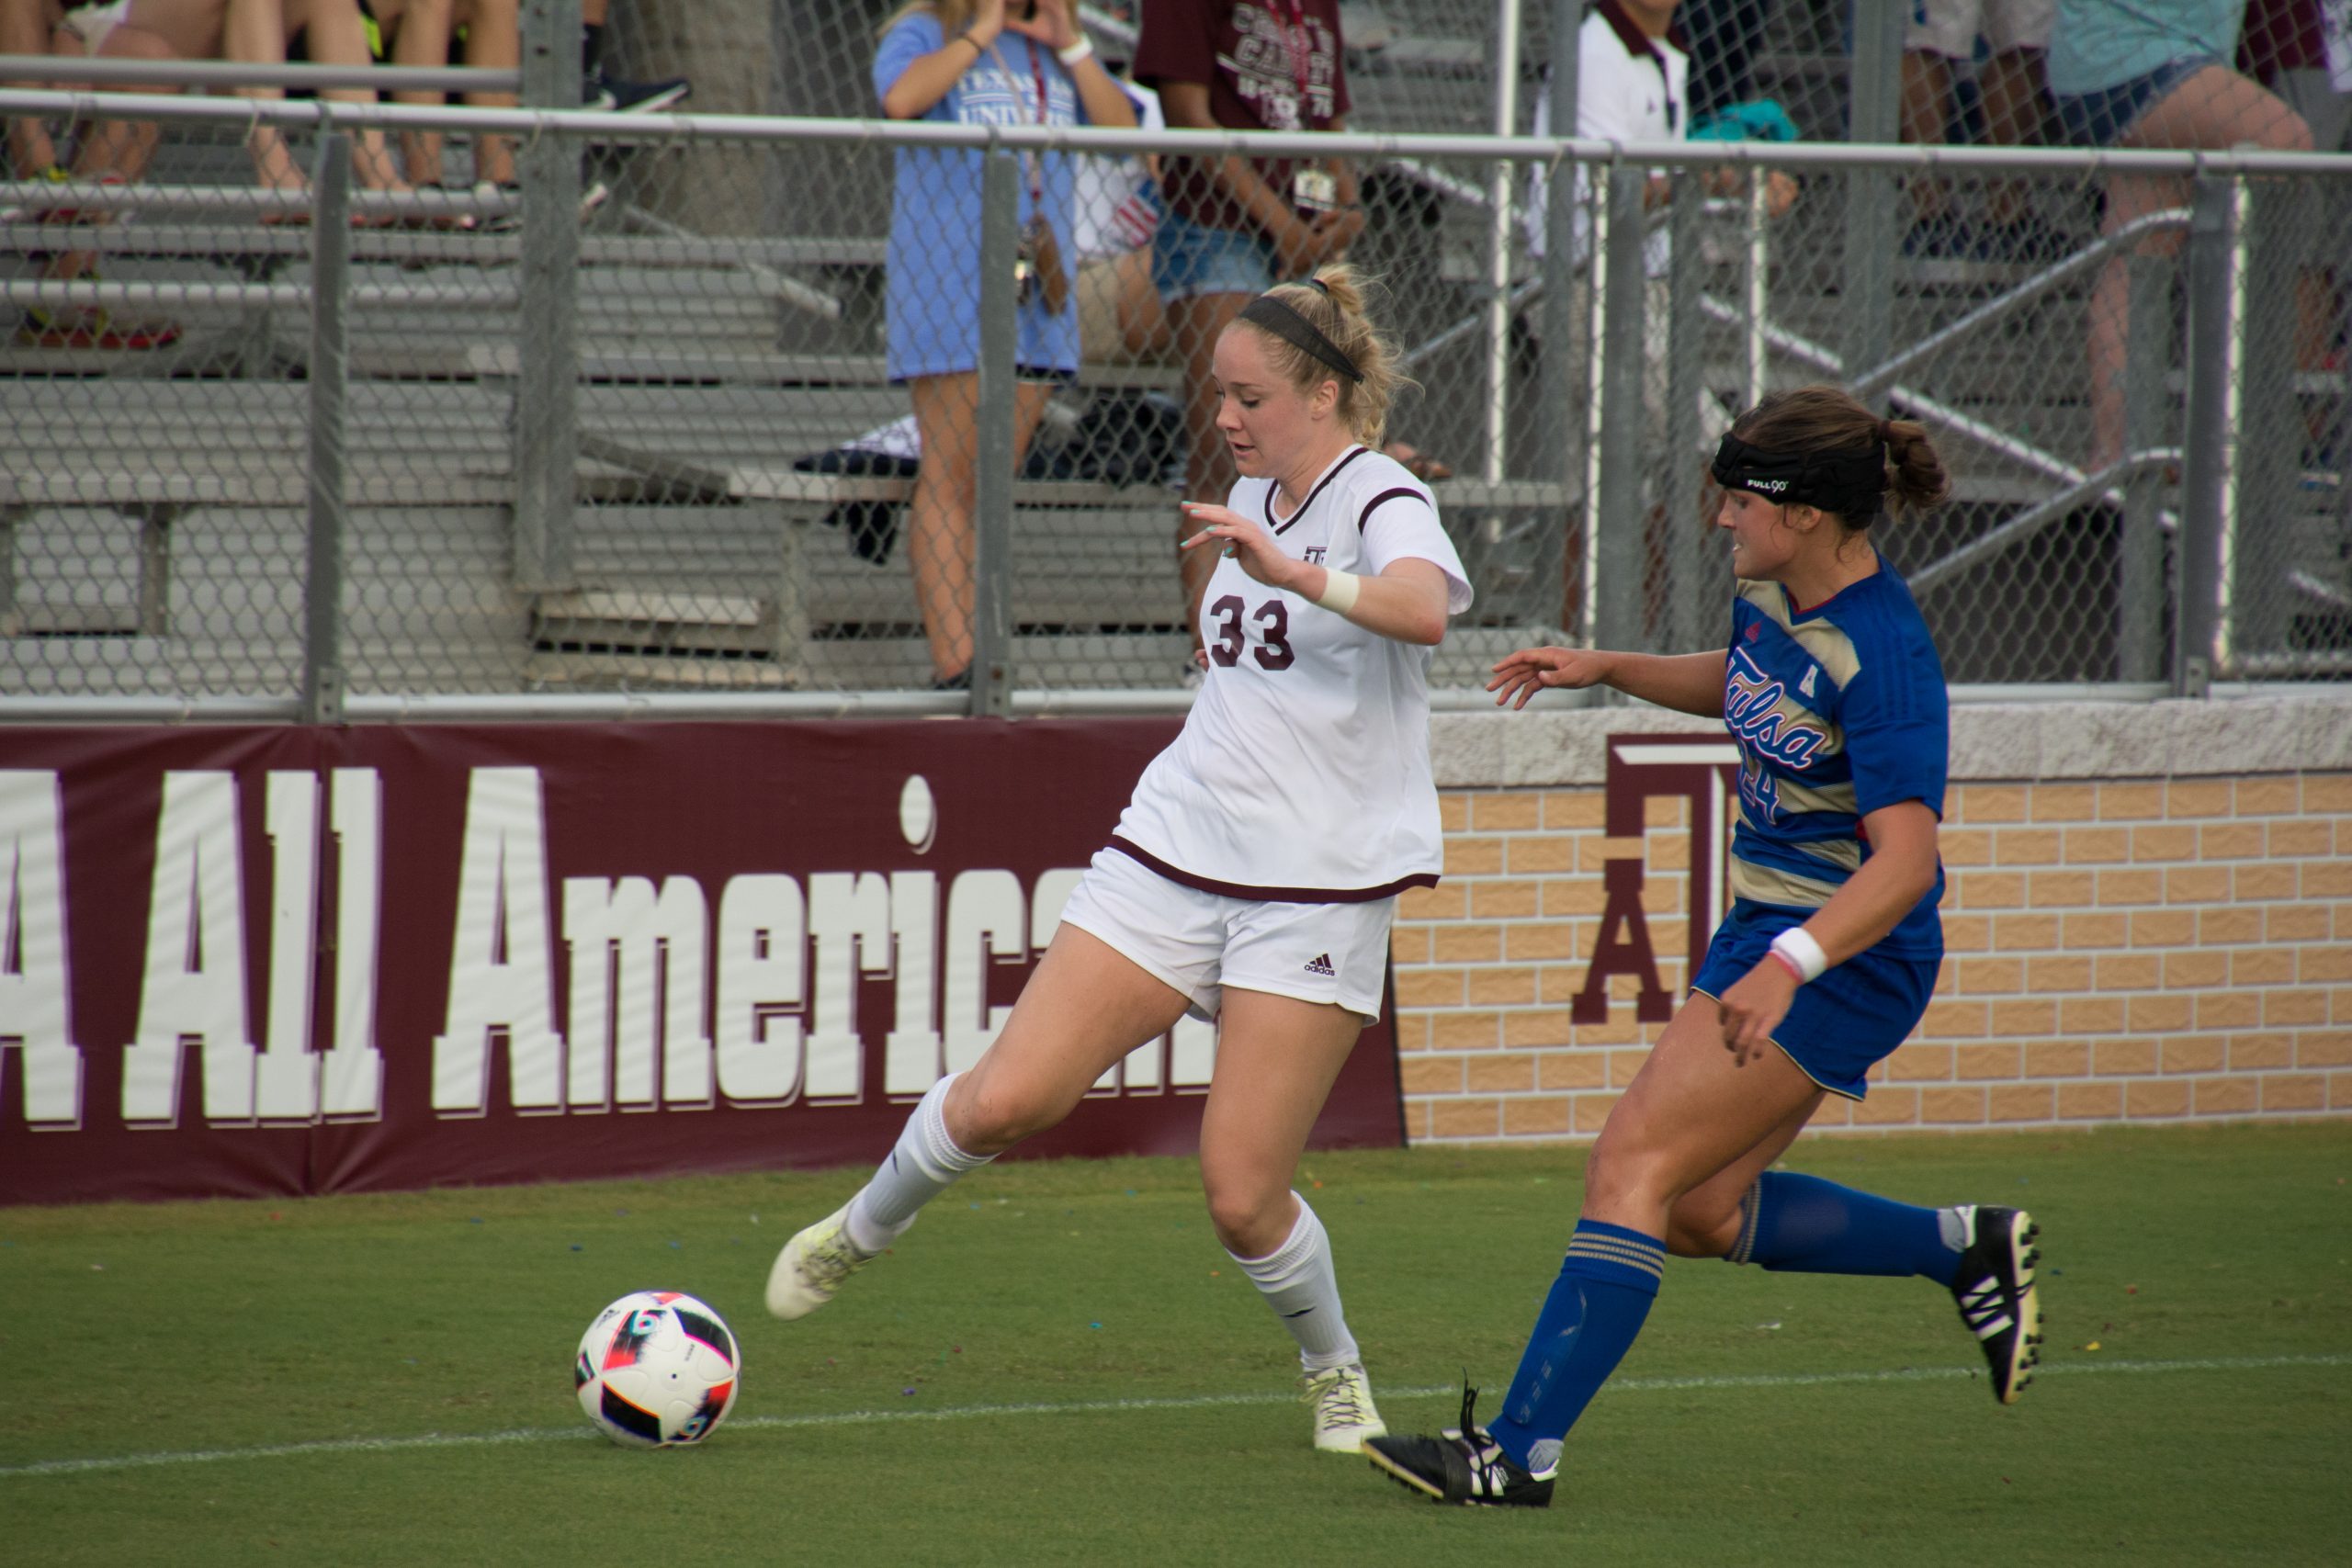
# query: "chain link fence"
(629, 426)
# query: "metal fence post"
(2140, 540)
(1690, 603)
(992, 429)
(2209, 479)
(547, 433)
(330, 372)
(1872, 116)
(1562, 384)
(1502, 215)
(1615, 591)
(2269, 423)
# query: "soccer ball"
(656, 1368)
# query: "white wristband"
(1077, 52)
(1798, 948)
(1339, 591)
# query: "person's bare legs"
(24, 28)
(1925, 110)
(421, 37)
(941, 541)
(2009, 86)
(1085, 1009)
(335, 34)
(1196, 324)
(2214, 108)
(1276, 1060)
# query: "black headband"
(1849, 483)
(1296, 329)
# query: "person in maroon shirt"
(1237, 226)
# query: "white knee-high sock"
(924, 1164)
(1298, 1280)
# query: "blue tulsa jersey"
(1840, 710)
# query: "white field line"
(1103, 1407)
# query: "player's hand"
(1754, 1007)
(1251, 548)
(1531, 669)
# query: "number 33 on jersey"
(1306, 764)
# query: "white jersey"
(1302, 773)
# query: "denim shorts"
(2099, 118)
(1840, 1025)
(1189, 259)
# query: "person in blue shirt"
(1832, 689)
(977, 62)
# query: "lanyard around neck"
(1032, 164)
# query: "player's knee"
(992, 1119)
(1618, 1175)
(1248, 1223)
(1697, 1229)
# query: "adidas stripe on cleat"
(1998, 1299)
(1464, 1466)
(812, 1265)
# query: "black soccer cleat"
(1465, 1466)
(1995, 1292)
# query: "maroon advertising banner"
(240, 961)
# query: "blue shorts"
(1840, 1025)
(2100, 118)
(1189, 259)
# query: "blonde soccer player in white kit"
(1253, 877)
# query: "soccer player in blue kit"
(1833, 689)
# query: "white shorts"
(1950, 28)
(1202, 942)
(91, 24)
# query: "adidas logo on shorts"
(1320, 965)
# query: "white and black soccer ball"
(657, 1369)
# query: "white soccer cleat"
(1344, 1414)
(812, 1265)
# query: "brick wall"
(2122, 945)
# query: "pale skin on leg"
(25, 28)
(422, 31)
(1088, 1006)
(941, 539)
(2215, 108)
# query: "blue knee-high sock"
(1588, 1322)
(1803, 1224)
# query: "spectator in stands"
(325, 32)
(424, 33)
(1941, 43)
(976, 63)
(1115, 210)
(25, 27)
(1722, 38)
(2152, 74)
(1632, 84)
(599, 89)
(112, 152)
(1237, 226)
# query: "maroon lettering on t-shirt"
(1267, 64)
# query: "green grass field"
(1059, 1365)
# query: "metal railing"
(1585, 467)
